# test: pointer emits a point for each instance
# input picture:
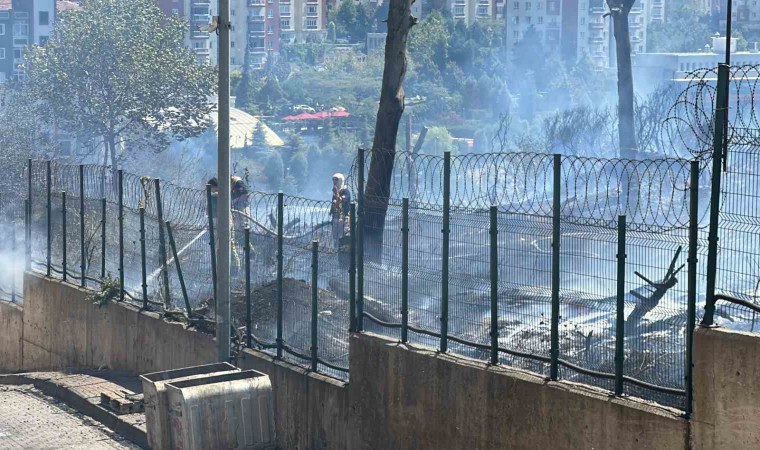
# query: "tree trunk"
(377, 191)
(626, 131)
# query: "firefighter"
(339, 208)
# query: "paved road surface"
(31, 420)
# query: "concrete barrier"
(399, 396)
(63, 329)
(726, 389)
(407, 397)
(11, 334)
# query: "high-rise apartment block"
(574, 27)
(259, 27)
(24, 23)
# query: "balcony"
(206, 3)
(596, 25)
(198, 34)
(596, 39)
(312, 13)
(201, 18)
(256, 19)
(255, 2)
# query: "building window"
(5, 15)
(583, 35)
(270, 45)
(175, 12)
(285, 24)
(540, 5)
(527, 20)
(285, 10)
(232, 60)
(270, 30)
(458, 10)
(2, 29)
(21, 15)
(516, 20)
(540, 20)
(516, 34)
(232, 12)
(16, 53)
(311, 10)
(44, 18)
(2, 53)
(583, 21)
(527, 6)
(232, 44)
(516, 6)
(270, 14)
(482, 10)
(44, 39)
(311, 24)
(21, 29)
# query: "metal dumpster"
(156, 405)
(229, 411)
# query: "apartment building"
(471, 10)
(198, 14)
(573, 27)
(273, 24)
(24, 23)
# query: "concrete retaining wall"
(406, 397)
(400, 396)
(11, 333)
(62, 329)
(726, 389)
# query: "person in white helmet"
(340, 207)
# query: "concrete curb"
(82, 405)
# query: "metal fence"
(561, 265)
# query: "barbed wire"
(653, 193)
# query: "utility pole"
(223, 206)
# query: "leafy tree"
(437, 141)
(299, 169)
(428, 45)
(686, 29)
(111, 71)
(274, 170)
(259, 140)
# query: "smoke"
(11, 262)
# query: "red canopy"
(317, 116)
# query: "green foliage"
(352, 21)
(258, 140)
(331, 33)
(428, 45)
(274, 170)
(299, 169)
(686, 29)
(437, 141)
(110, 290)
(111, 71)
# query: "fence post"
(63, 237)
(82, 251)
(405, 270)
(143, 264)
(179, 269)
(691, 310)
(120, 175)
(280, 239)
(556, 236)
(494, 275)
(211, 235)
(360, 245)
(49, 218)
(162, 243)
(103, 207)
(445, 231)
(352, 270)
(247, 252)
(721, 116)
(27, 235)
(314, 303)
(13, 270)
(620, 309)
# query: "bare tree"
(619, 10)
(377, 192)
